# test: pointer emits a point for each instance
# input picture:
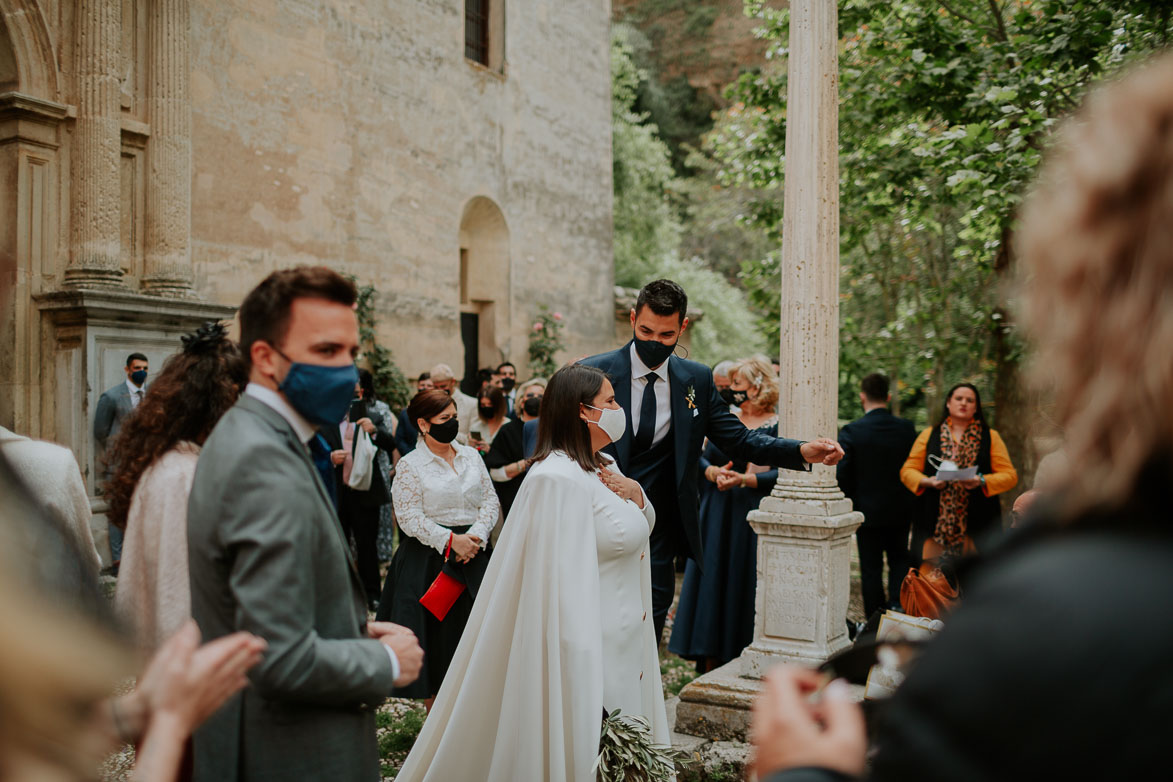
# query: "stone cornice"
(32, 120)
(114, 307)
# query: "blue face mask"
(138, 377)
(321, 394)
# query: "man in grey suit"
(267, 553)
(114, 405)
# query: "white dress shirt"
(305, 431)
(663, 397)
(136, 393)
(430, 496)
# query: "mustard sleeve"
(1003, 476)
(913, 471)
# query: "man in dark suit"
(671, 406)
(114, 405)
(875, 448)
(266, 553)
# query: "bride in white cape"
(562, 626)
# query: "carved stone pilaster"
(94, 226)
(168, 215)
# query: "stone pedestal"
(804, 577)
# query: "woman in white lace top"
(444, 499)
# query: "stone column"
(95, 256)
(168, 212)
(805, 526)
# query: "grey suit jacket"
(113, 406)
(267, 555)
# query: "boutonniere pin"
(690, 397)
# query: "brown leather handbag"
(925, 591)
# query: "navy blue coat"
(697, 412)
(874, 449)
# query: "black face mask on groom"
(652, 352)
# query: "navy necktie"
(647, 414)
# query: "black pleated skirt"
(413, 568)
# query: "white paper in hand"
(947, 470)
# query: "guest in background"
(114, 405)
(491, 416)
(466, 406)
(714, 619)
(506, 459)
(359, 509)
(874, 449)
(508, 382)
(952, 516)
(156, 454)
(721, 378)
(444, 499)
(406, 434)
(385, 459)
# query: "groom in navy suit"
(672, 405)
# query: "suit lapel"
(299, 448)
(679, 387)
(621, 381)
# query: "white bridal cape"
(561, 628)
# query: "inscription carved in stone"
(792, 598)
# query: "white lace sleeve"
(490, 506)
(408, 496)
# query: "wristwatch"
(982, 478)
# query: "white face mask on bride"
(612, 421)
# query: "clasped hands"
(727, 478)
(465, 547)
(821, 450)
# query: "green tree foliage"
(945, 113)
(390, 383)
(648, 224)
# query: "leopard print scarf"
(953, 515)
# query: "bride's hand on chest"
(624, 488)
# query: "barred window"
(476, 30)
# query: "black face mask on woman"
(532, 406)
(731, 397)
(445, 432)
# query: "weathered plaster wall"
(355, 134)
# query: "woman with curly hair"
(156, 453)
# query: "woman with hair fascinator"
(156, 453)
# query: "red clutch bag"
(444, 590)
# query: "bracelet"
(743, 481)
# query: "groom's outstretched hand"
(824, 450)
(406, 646)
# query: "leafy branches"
(390, 384)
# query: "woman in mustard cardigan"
(956, 513)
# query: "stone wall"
(357, 134)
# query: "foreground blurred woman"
(1056, 665)
(562, 626)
